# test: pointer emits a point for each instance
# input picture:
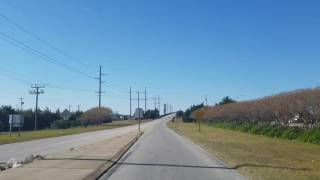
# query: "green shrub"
(256, 129)
(292, 133)
(266, 129)
(243, 127)
(275, 131)
(60, 124)
(315, 136)
(63, 124)
(310, 136)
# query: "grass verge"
(41, 134)
(254, 156)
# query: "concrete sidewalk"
(85, 162)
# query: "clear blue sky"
(181, 50)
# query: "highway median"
(86, 162)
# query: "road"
(58, 144)
(162, 154)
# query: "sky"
(180, 50)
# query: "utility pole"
(69, 108)
(130, 92)
(159, 104)
(78, 106)
(139, 109)
(155, 103)
(145, 99)
(100, 82)
(21, 104)
(206, 100)
(37, 90)
(21, 113)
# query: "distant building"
(117, 117)
(65, 115)
(296, 121)
(139, 113)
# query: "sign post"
(15, 120)
(199, 115)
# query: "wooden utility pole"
(130, 92)
(145, 99)
(139, 119)
(100, 82)
(37, 90)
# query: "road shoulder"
(86, 162)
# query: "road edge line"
(113, 161)
(202, 149)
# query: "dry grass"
(256, 157)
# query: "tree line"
(299, 105)
(48, 119)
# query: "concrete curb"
(115, 158)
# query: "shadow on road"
(184, 166)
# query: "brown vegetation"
(97, 115)
(279, 109)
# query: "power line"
(43, 56)
(114, 88)
(68, 88)
(45, 42)
(21, 76)
(26, 80)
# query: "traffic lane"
(162, 154)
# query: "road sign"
(199, 114)
(16, 120)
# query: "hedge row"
(280, 109)
(62, 124)
(275, 131)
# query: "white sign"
(139, 113)
(16, 120)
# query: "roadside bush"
(256, 129)
(292, 133)
(60, 124)
(63, 124)
(244, 127)
(266, 128)
(274, 131)
(311, 136)
(97, 115)
(179, 114)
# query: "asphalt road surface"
(161, 154)
(54, 145)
